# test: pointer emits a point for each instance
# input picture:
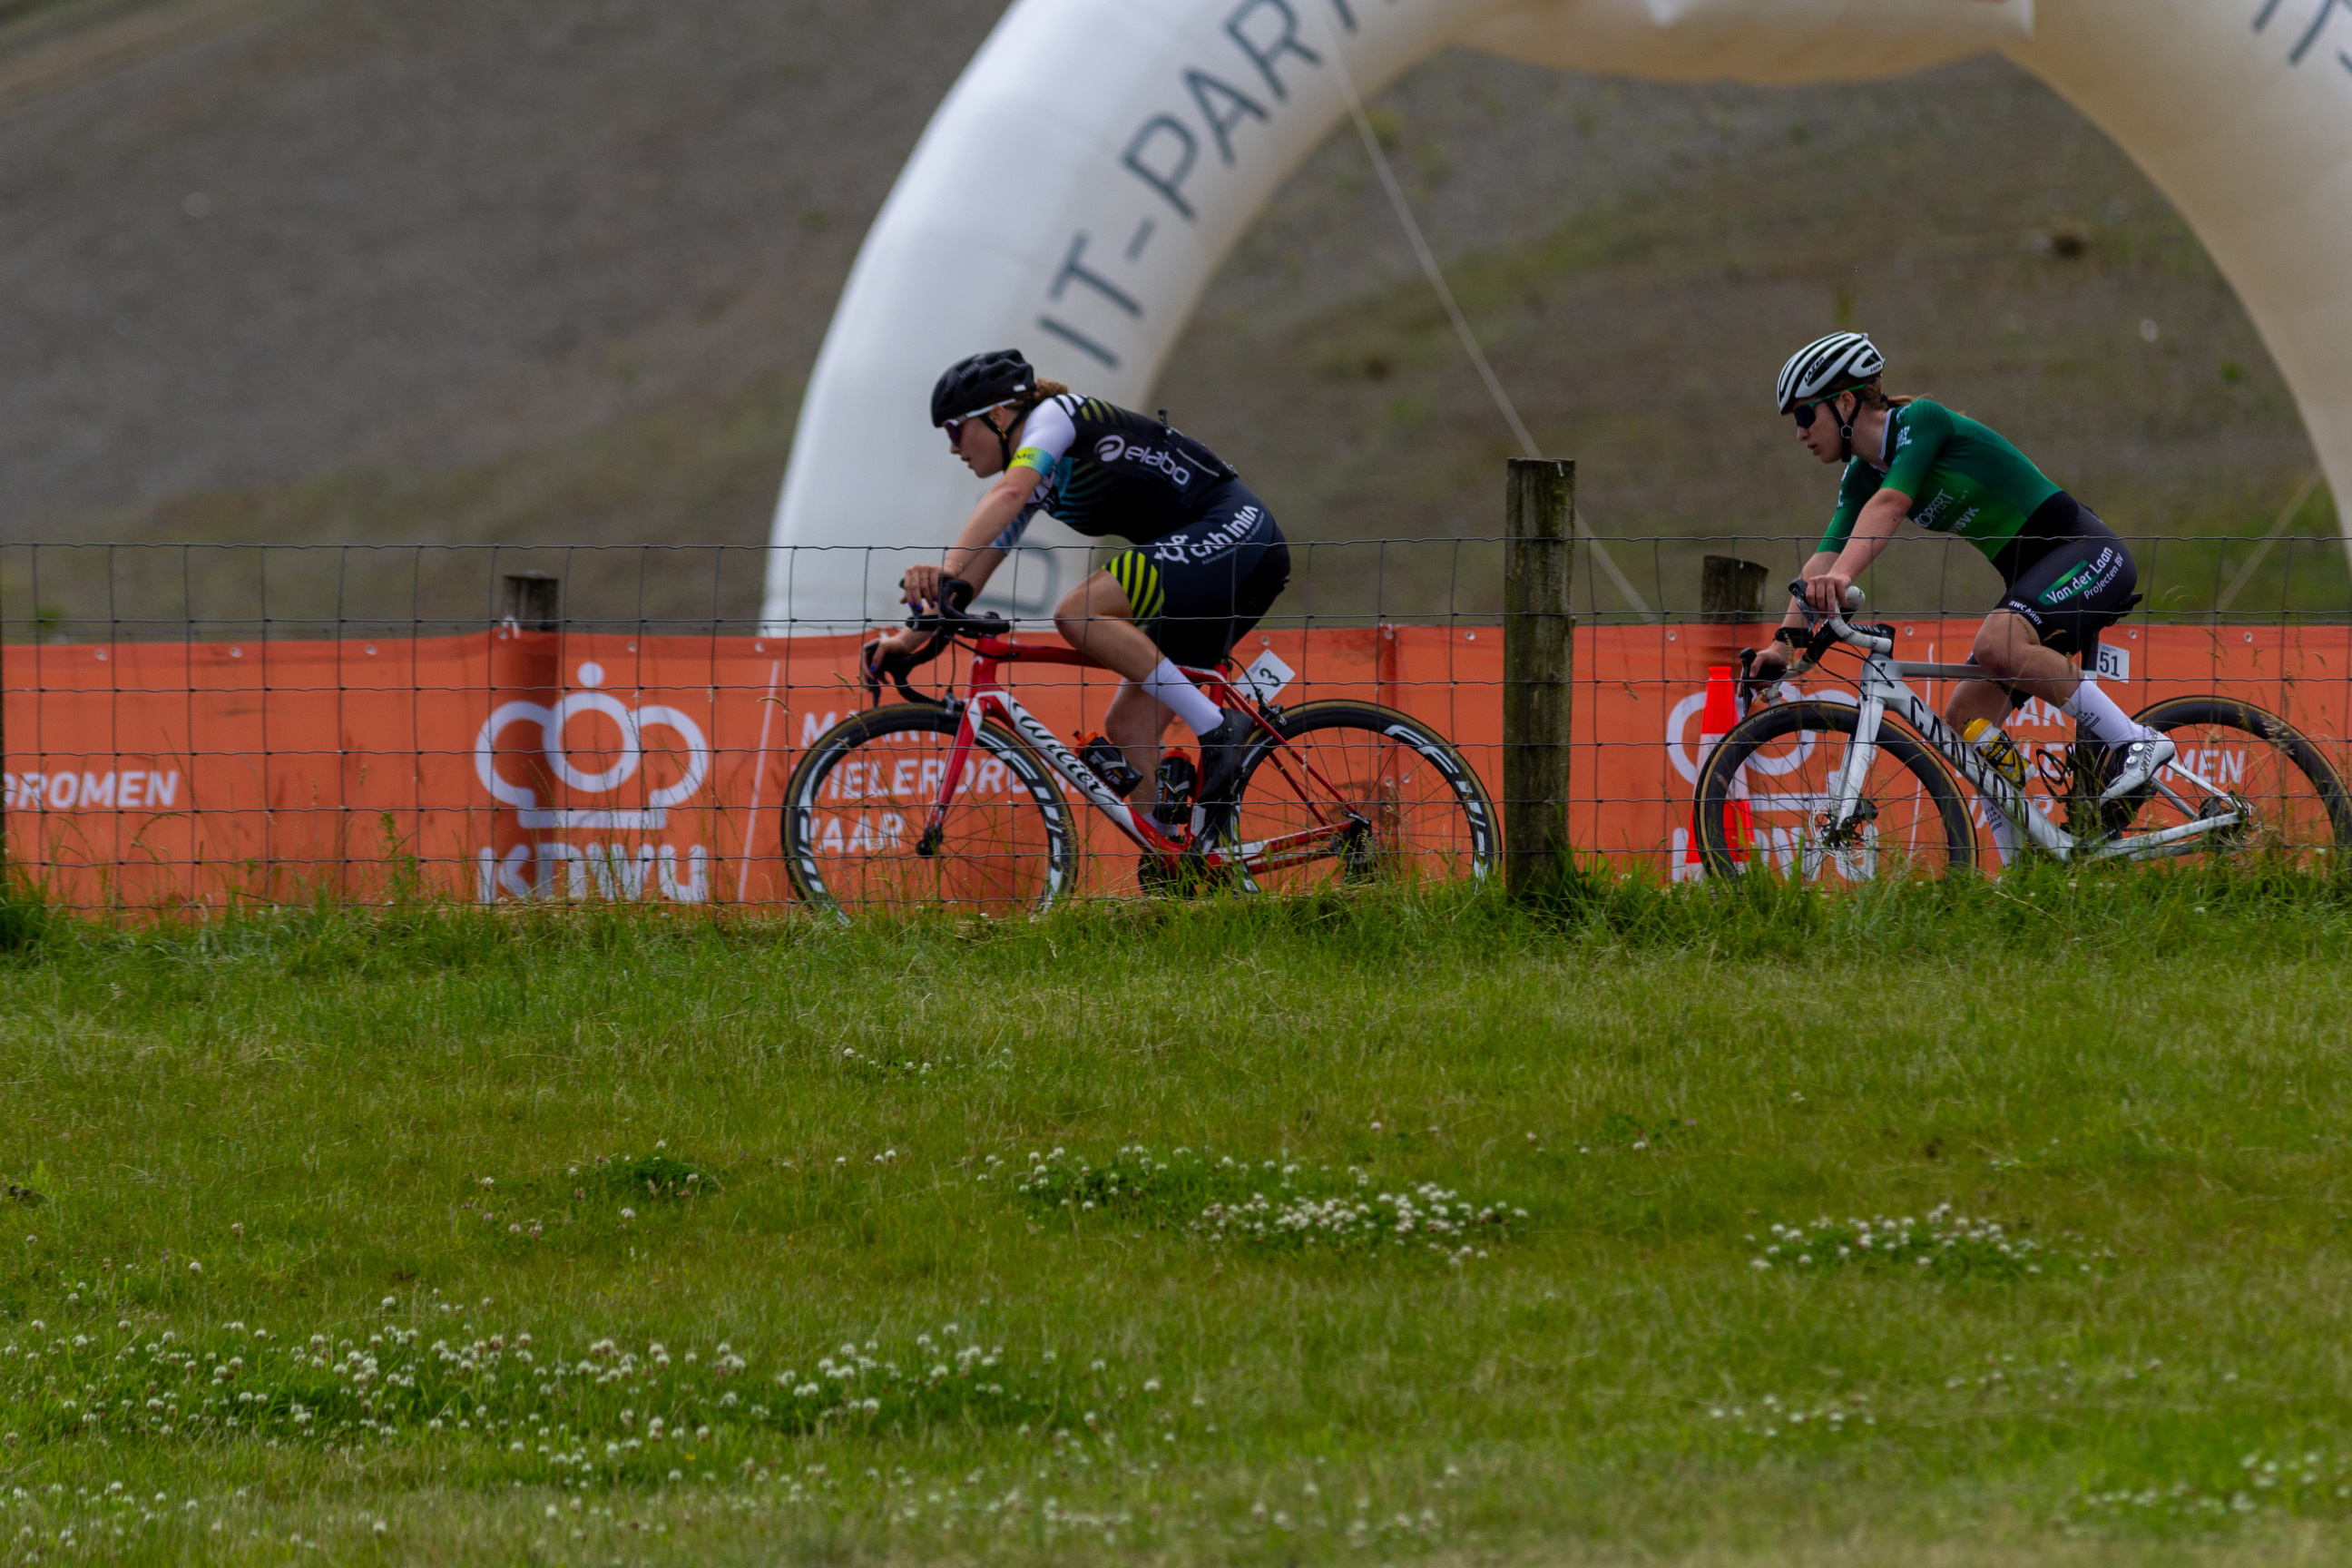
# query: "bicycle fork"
(1846, 805)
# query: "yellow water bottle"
(1994, 744)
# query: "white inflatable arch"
(1084, 178)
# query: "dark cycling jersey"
(1103, 469)
(1962, 479)
(1208, 560)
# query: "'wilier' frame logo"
(632, 724)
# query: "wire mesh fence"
(191, 728)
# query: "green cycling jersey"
(1962, 479)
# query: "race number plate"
(1268, 676)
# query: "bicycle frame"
(987, 692)
(1882, 688)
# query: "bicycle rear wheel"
(1763, 801)
(2255, 762)
(856, 807)
(1358, 793)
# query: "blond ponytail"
(1870, 395)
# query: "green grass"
(963, 1240)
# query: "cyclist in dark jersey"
(2066, 574)
(1207, 562)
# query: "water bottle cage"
(1110, 766)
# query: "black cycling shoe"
(1221, 758)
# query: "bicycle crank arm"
(1296, 848)
(2173, 795)
(1291, 849)
(2212, 791)
(2165, 841)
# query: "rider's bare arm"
(973, 557)
(1881, 516)
(1779, 653)
(1820, 561)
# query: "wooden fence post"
(1731, 590)
(533, 602)
(525, 859)
(1539, 661)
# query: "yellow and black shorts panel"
(1139, 580)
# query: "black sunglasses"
(954, 427)
(1804, 412)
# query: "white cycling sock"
(1185, 700)
(2097, 711)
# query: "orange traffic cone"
(1721, 712)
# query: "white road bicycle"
(1829, 790)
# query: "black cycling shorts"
(1198, 591)
(2068, 575)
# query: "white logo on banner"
(633, 723)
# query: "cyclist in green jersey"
(1208, 561)
(2065, 576)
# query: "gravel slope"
(533, 273)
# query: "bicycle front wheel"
(1765, 799)
(1355, 794)
(2235, 756)
(858, 807)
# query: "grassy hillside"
(445, 1237)
(466, 273)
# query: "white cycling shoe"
(2142, 759)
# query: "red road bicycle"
(953, 801)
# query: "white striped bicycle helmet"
(1827, 366)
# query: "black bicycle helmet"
(980, 382)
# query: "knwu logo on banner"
(617, 870)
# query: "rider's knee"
(1999, 648)
(1081, 608)
(1996, 660)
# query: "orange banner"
(511, 765)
